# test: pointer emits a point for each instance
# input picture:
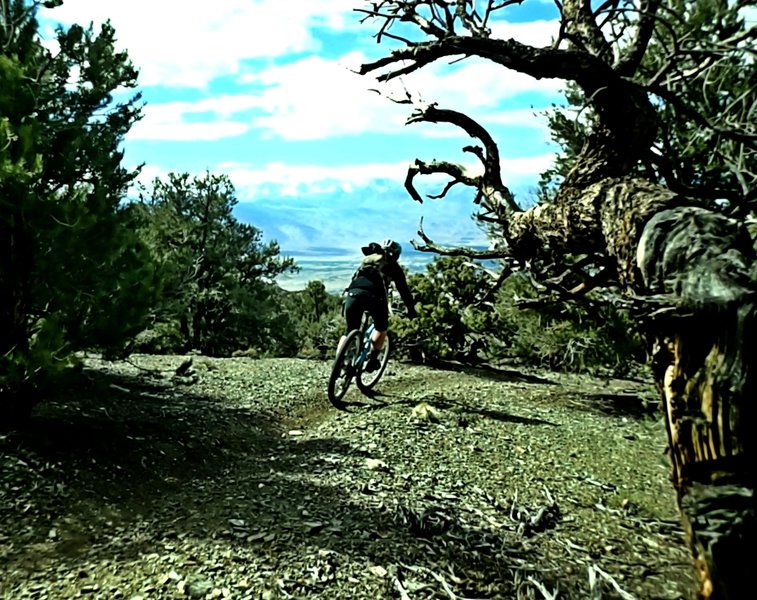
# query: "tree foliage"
(71, 274)
(695, 70)
(587, 336)
(316, 320)
(451, 318)
(461, 318)
(218, 292)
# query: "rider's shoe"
(372, 364)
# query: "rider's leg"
(378, 338)
(380, 314)
(353, 313)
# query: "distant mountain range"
(334, 267)
(324, 234)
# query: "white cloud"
(279, 179)
(180, 43)
(516, 171)
(532, 117)
(315, 98)
(293, 236)
(476, 84)
(749, 14)
(183, 120)
(534, 33)
(190, 43)
(176, 130)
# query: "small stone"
(378, 570)
(198, 588)
(314, 527)
(374, 464)
(424, 412)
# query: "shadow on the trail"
(443, 402)
(487, 371)
(373, 402)
(132, 454)
(629, 404)
(624, 405)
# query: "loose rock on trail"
(235, 478)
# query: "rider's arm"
(400, 281)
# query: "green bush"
(450, 318)
(458, 321)
(162, 338)
(216, 272)
(566, 336)
(73, 275)
(26, 378)
(315, 320)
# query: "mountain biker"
(368, 292)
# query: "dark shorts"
(359, 301)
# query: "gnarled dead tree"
(638, 203)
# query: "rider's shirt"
(374, 281)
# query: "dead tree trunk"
(695, 274)
(705, 361)
(691, 268)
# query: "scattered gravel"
(237, 479)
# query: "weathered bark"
(692, 269)
(704, 363)
(606, 217)
(696, 271)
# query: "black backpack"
(373, 264)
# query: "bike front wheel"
(344, 368)
(366, 380)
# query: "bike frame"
(367, 342)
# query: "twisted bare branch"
(631, 59)
(429, 245)
(492, 193)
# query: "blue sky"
(263, 91)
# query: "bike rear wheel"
(366, 380)
(344, 368)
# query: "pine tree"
(218, 273)
(72, 275)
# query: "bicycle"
(350, 363)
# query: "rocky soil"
(237, 479)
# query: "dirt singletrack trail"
(239, 480)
